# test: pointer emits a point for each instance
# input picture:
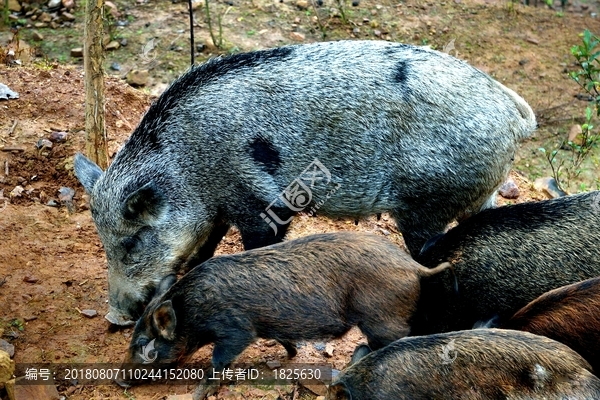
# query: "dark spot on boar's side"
(265, 153)
(401, 73)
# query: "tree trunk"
(93, 59)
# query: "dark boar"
(570, 315)
(504, 258)
(481, 364)
(351, 128)
(313, 288)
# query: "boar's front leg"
(264, 226)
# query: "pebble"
(58, 137)
(89, 313)
(113, 45)
(549, 187)
(328, 350)
(43, 144)
(319, 346)
(17, 191)
(302, 4)
(77, 52)
(273, 364)
(297, 36)
(52, 203)
(270, 342)
(123, 42)
(68, 16)
(115, 66)
(7, 347)
(509, 190)
(54, 3)
(65, 194)
(35, 35)
(137, 77)
(30, 279)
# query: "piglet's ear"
(164, 320)
(145, 204)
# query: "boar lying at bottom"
(476, 365)
(313, 288)
(570, 315)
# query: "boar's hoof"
(118, 320)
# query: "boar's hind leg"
(380, 333)
(289, 347)
(259, 228)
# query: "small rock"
(68, 16)
(377, 33)
(270, 343)
(319, 346)
(355, 3)
(77, 52)
(549, 187)
(52, 203)
(54, 3)
(123, 42)
(45, 17)
(6, 93)
(13, 5)
(35, 35)
(68, 4)
(58, 137)
(533, 40)
(30, 279)
(273, 364)
(112, 45)
(181, 397)
(65, 194)
(115, 66)
(43, 144)
(200, 47)
(137, 77)
(297, 36)
(523, 61)
(112, 9)
(320, 389)
(302, 4)
(575, 134)
(320, 398)
(30, 318)
(40, 25)
(7, 368)
(7, 347)
(328, 350)
(17, 191)
(89, 313)
(509, 190)
(18, 390)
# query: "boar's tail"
(427, 272)
(529, 123)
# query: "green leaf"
(588, 113)
(543, 150)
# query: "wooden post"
(93, 59)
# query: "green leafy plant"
(217, 39)
(568, 166)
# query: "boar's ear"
(86, 171)
(165, 284)
(146, 203)
(164, 320)
(339, 391)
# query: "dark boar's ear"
(145, 204)
(164, 320)
(86, 171)
(338, 391)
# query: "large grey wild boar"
(351, 128)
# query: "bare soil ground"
(52, 263)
